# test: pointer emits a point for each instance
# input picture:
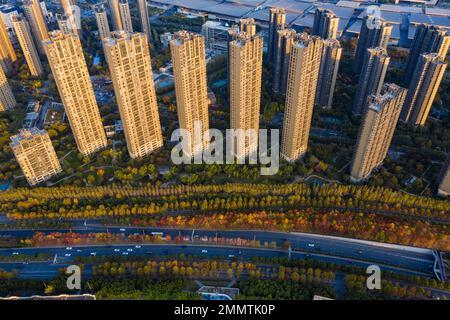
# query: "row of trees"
(214, 269)
(219, 197)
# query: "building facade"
(427, 77)
(69, 20)
(115, 15)
(246, 53)
(376, 131)
(7, 53)
(125, 15)
(371, 79)
(23, 32)
(282, 58)
(67, 6)
(326, 24)
(427, 39)
(277, 22)
(144, 18)
(300, 95)
(248, 25)
(35, 18)
(102, 21)
(35, 154)
(189, 70)
(370, 37)
(329, 66)
(64, 23)
(66, 59)
(7, 100)
(131, 71)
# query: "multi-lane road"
(408, 260)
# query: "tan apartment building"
(189, 69)
(248, 26)
(329, 67)
(428, 75)
(376, 131)
(7, 53)
(246, 52)
(64, 23)
(67, 6)
(102, 21)
(427, 39)
(35, 154)
(7, 100)
(115, 15)
(131, 71)
(125, 15)
(371, 36)
(65, 55)
(144, 18)
(23, 33)
(35, 18)
(371, 79)
(277, 22)
(325, 24)
(282, 58)
(300, 95)
(69, 20)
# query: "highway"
(409, 260)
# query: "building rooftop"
(99, 7)
(25, 134)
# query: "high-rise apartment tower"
(376, 131)
(300, 95)
(427, 77)
(23, 32)
(371, 79)
(189, 69)
(131, 71)
(65, 55)
(245, 97)
(375, 32)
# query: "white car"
(116, 250)
(137, 247)
(231, 256)
(204, 251)
(69, 248)
(125, 253)
(15, 253)
(122, 229)
(130, 250)
(311, 245)
(67, 255)
(93, 253)
(79, 250)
